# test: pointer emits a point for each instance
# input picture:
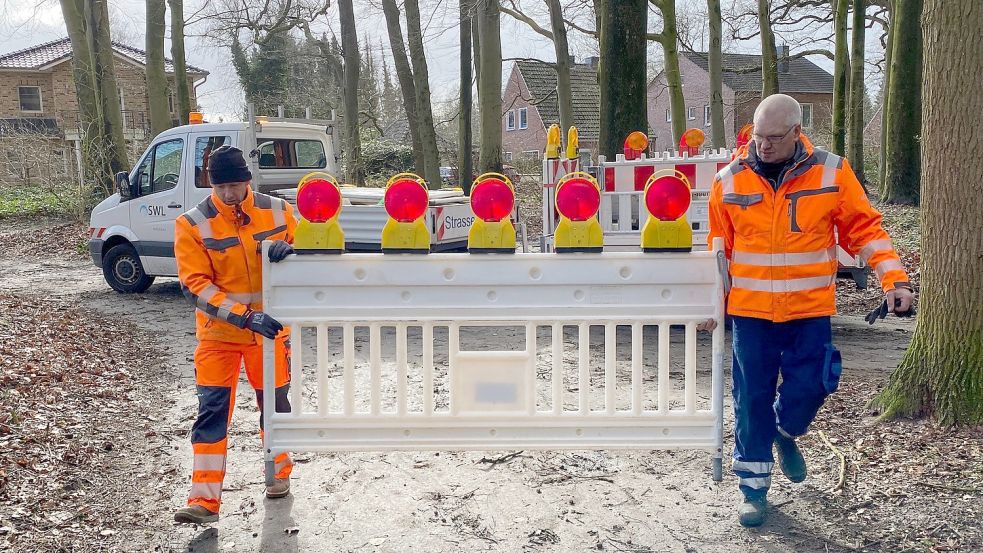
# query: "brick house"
(38, 103)
(805, 81)
(530, 106)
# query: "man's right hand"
(263, 324)
(707, 325)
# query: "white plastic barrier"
(394, 368)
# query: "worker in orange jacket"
(779, 206)
(217, 247)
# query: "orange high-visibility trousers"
(217, 366)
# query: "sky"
(24, 23)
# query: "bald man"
(780, 206)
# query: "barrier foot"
(270, 473)
(718, 469)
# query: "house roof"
(742, 72)
(540, 78)
(42, 55)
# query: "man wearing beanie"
(217, 246)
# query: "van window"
(286, 153)
(204, 146)
(161, 169)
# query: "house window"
(668, 116)
(691, 114)
(806, 116)
(706, 115)
(170, 103)
(531, 154)
(523, 118)
(510, 120)
(508, 156)
(30, 98)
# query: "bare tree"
(855, 146)
(160, 119)
(904, 115)
(716, 76)
(622, 71)
(490, 86)
(349, 47)
(421, 80)
(769, 61)
(464, 140)
(404, 74)
(840, 74)
(669, 38)
(181, 89)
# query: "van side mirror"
(123, 185)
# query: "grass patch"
(35, 200)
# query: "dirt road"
(509, 501)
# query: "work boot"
(790, 458)
(752, 512)
(280, 488)
(195, 514)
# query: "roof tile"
(41, 55)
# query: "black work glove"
(881, 311)
(263, 324)
(279, 250)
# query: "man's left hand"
(899, 301)
(279, 250)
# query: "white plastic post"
(401, 369)
(375, 368)
(690, 367)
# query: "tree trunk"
(940, 374)
(674, 79)
(353, 64)
(160, 116)
(905, 115)
(182, 90)
(717, 133)
(885, 97)
(855, 147)
(840, 61)
(564, 93)
(104, 70)
(404, 74)
(622, 72)
(476, 42)
(490, 87)
(421, 78)
(464, 145)
(769, 58)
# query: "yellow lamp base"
(412, 237)
(491, 237)
(667, 236)
(578, 236)
(324, 237)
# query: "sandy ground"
(448, 501)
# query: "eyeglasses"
(771, 139)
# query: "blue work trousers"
(800, 351)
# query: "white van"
(131, 233)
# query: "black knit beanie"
(226, 164)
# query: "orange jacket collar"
(229, 211)
(749, 155)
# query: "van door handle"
(175, 205)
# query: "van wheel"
(123, 271)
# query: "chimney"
(573, 60)
(593, 61)
(783, 61)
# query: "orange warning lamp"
(691, 141)
(319, 203)
(492, 201)
(553, 142)
(744, 135)
(195, 118)
(667, 198)
(636, 144)
(578, 197)
(573, 142)
(406, 202)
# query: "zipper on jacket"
(242, 248)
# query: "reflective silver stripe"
(279, 212)
(784, 433)
(201, 221)
(246, 297)
(888, 265)
(782, 259)
(829, 169)
(875, 246)
(726, 177)
(207, 490)
(756, 483)
(208, 292)
(221, 311)
(209, 461)
(755, 467)
(790, 285)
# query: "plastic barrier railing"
(491, 352)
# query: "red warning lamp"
(578, 199)
(635, 145)
(691, 141)
(744, 136)
(668, 198)
(406, 200)
(492, 200)
(319, 200)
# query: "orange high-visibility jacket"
(782, 245)
(219, 261)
